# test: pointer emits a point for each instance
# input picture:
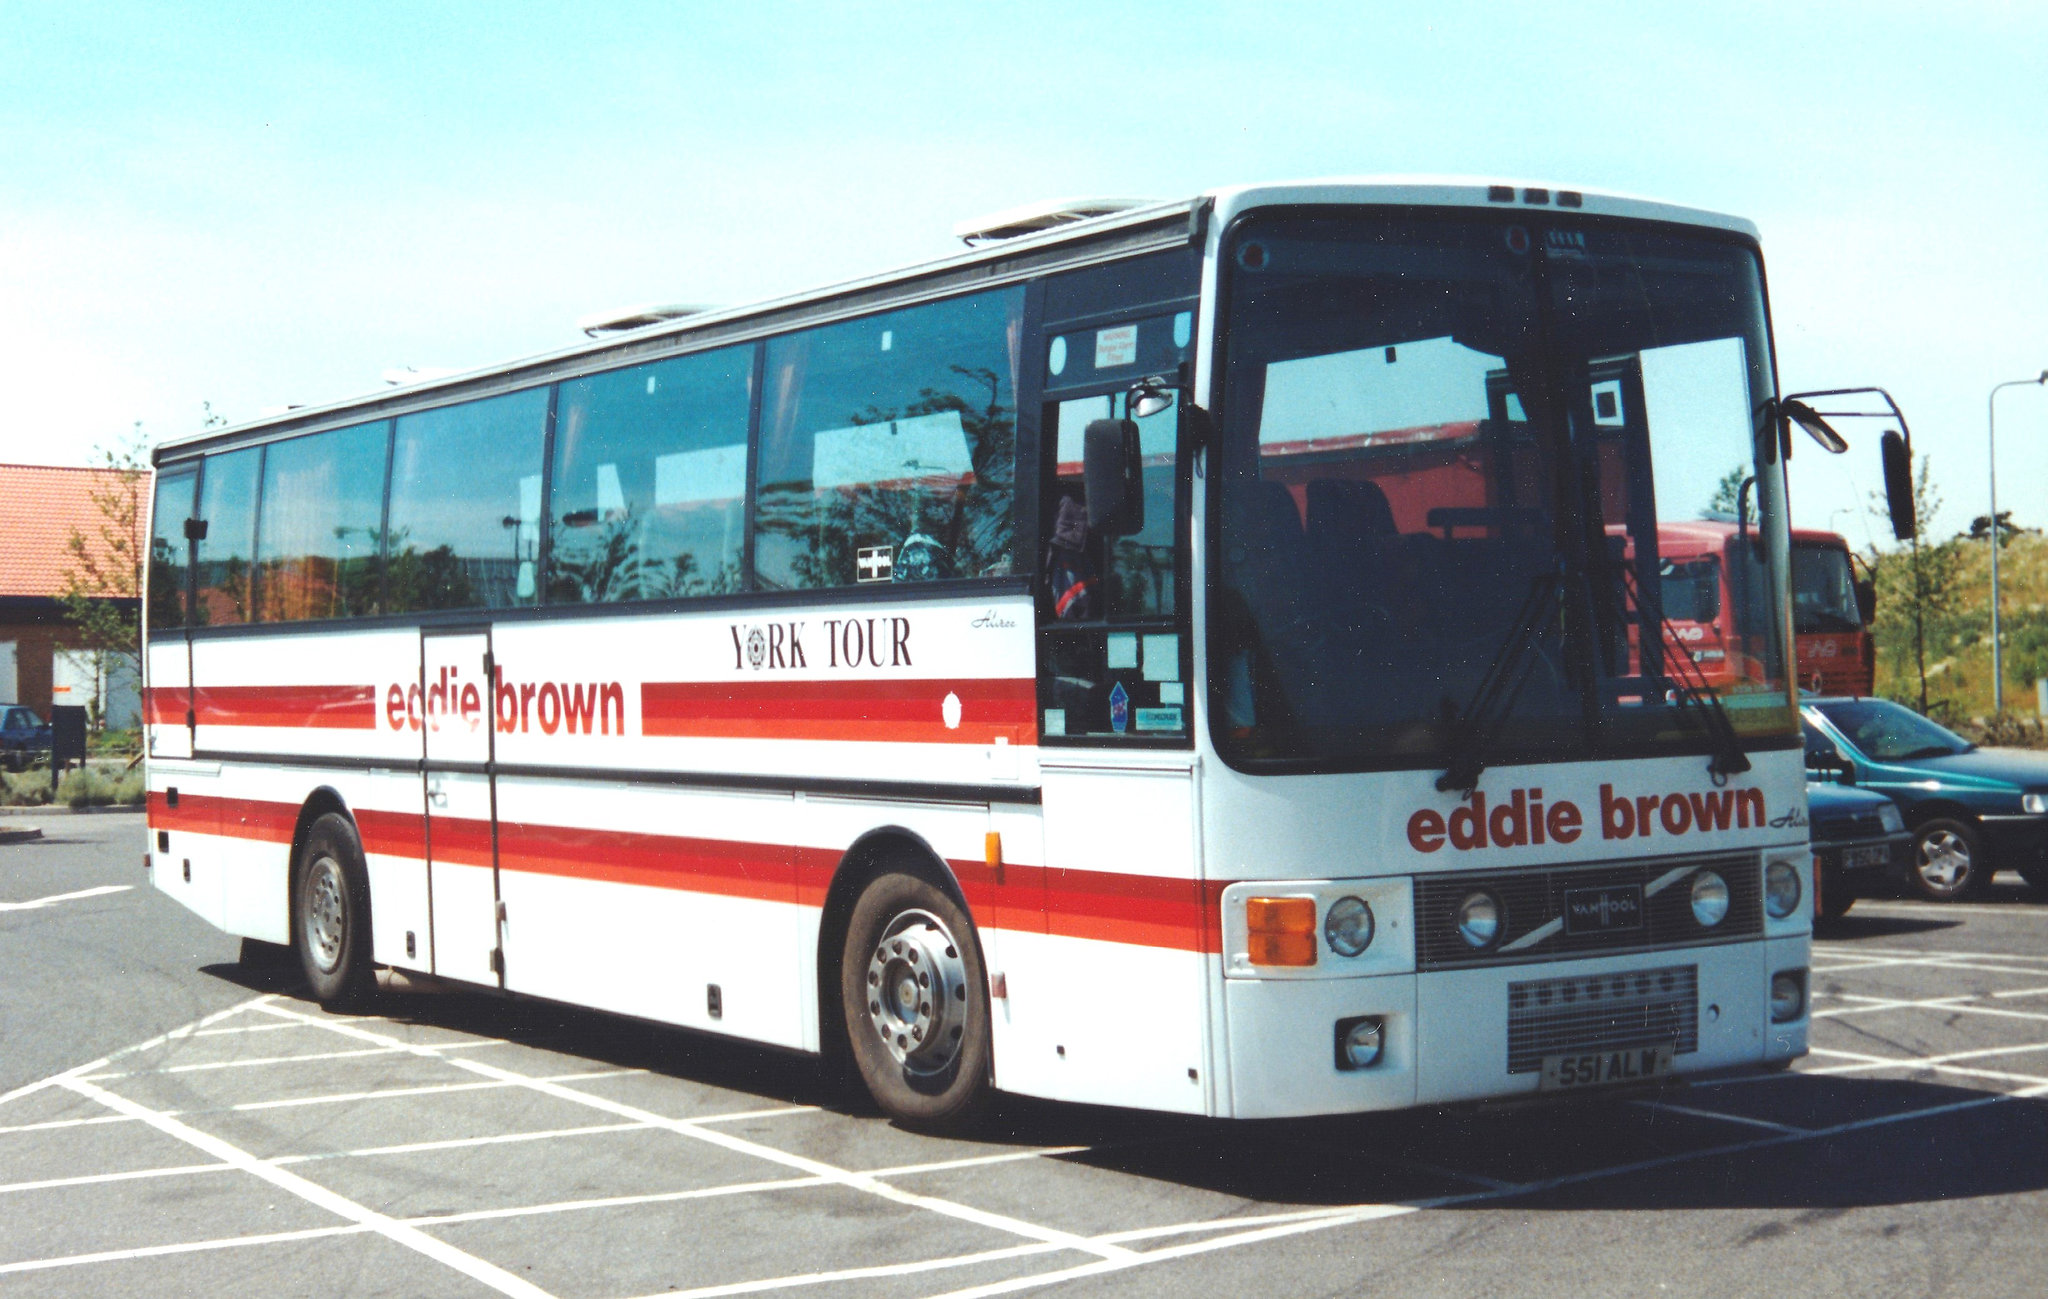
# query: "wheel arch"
(319, 803)
(1923, 810)
(875, 853)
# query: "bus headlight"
(1709, 899)
(1348, 927)
(1781, 889)
(1893, 821)
(1788, 996)
(1479, 919)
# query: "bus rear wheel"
(914, 992)
(331, 914)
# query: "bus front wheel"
(915, 996)
(331, 901)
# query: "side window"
(889, 447)
(170, 554)
(465, 505)
(224, 556)
(323, 513)
(650, 482)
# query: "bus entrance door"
(462, 857)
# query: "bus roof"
(1115, 235)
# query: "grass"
(1959, 642)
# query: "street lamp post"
(1991, 423)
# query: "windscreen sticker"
(1119, 708)
(1055, 721)
(1114, 347)
(1162, 658)
(1123, 650)
(1172, 692)
(1159, 719)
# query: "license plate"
(1872, 854)
(1602, 1068)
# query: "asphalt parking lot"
(459, 1144)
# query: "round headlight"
(1709, 899)
(1479, 919)
(1781, 890)
(1348, 926)
(1890, 819)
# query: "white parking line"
(92, 1066)
(1964, 1004)
(1743, 1119)
(457, 1143)
(89, 1179)
(244, 1028)
(801, 1163)
(47, 1124)
(37, 903)
(183, 1247)
(207, 1065)
(412, 1238)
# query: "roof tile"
(40, 507)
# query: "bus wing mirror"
(195, 529)
(1112, 469)
(1898, 485)
(1866, 601)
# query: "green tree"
(103, 581)
(1917, 588)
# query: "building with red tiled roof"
(41, 506)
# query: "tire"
(914, 993)
(1948, 860)
(1837, 895)
(331, 914)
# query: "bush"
(28, 789)
(2011, 731)
(129, 788)
(85, 787)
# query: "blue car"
(1859, 839)
(1973, 812)
(24, 737)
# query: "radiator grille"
(1533, 904)
(1850, 825)
(1602, 1012)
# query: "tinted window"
(323, 508)
(1889, 732)
(465, 505)
(650, 480)
(888, 447)
(227, 502)
(170, 555)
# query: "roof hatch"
(1042, 215)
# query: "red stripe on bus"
(1142, 910)
(908, 711)
(329, 707)
(164, 705)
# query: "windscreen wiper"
(1476, 727)
(1729, 758)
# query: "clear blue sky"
(259, 204)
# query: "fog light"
(1781, 889)
(1788, 996)
(1709, 899)
(1360, 1041)
(2034, 803)
(1348, 927)
(1479, 919)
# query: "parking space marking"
(207, 1065)
(182, 1247)
(48, 1124)
(455, 1143)
(1966, 1004)
(38, 903)
(243, 1028)
(860, 1273)
(412, 1238)
(93, 1066)
(684, 1127)
(387, 1093)
(89, 1179)
(1698, 1113)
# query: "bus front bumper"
(1452, 1036)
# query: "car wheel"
(915, 996)
(1836, 895)
(1948, 860)
(332, 914)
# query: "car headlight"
(1781, 890)
(1348, 926)
(1894, 821)
(1709, 899)
(2035, 803)
(1479, 919)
